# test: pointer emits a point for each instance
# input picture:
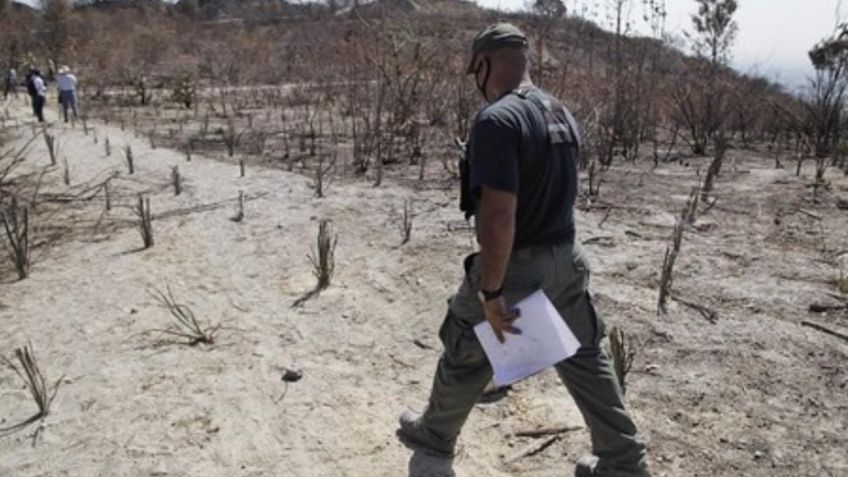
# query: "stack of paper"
(545, 340)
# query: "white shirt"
(66, 82)
(40, 87)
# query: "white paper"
(545, 340)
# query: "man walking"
(66, 84)
(37, 90)
(521, 188)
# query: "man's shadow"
(423, 464)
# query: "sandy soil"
(754, 394)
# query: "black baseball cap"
(496, 36)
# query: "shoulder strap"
(561, 127)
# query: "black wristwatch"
(486, 295)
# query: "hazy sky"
(774, 35)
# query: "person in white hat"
(66, 83)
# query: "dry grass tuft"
(687, 216)
(323, 258)
(622, 355)
(15, 221)
(185, 326)
(30, 373)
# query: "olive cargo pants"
(463, 370)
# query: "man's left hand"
(500, 317)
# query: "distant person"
(66, 84)
(51, 70)
(37, 90)
(10, 83)
(30, 86)
(520, 183)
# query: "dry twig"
(128, 155)
(547, 431)
(240, 212)
(176, 180)
(405, 224)
(52, 146)
(532, 449)
(825, 329)
(323, 258)
(145, 221)
(708, 313)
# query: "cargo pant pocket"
(461, 345)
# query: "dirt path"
(755, 394)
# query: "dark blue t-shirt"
(511, 150)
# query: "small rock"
(292, 375)
(758, 455)
(160, 471)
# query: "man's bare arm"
(495, 233)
